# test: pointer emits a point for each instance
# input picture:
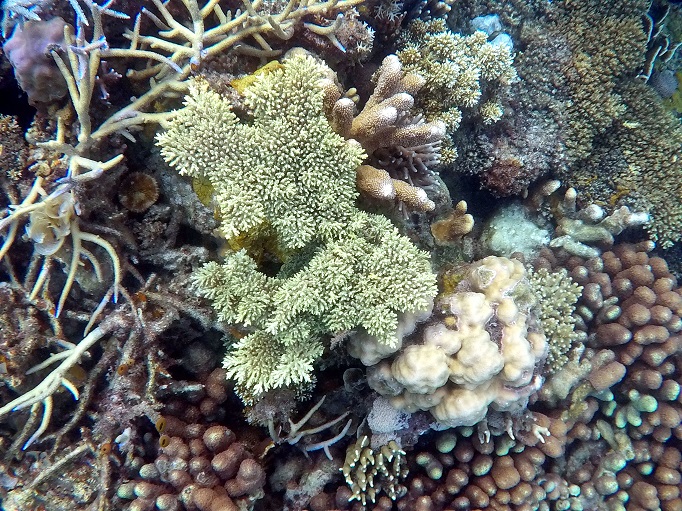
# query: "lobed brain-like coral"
(480, 350)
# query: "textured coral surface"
(359, 255)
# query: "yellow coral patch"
(260, 243)
(204, 190)
(241, 84)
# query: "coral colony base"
(259, 255)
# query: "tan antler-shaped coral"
(385, 127)
(378, 184)
(402, 144)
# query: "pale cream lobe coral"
(484, 336)
(421, 368)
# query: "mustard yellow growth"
(241, 84)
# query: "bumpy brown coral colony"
(254, 256)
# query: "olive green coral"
(557, 295)
(287, 168)
(362, 280)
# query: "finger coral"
(396, 140)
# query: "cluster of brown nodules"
(190, 402)
(624, 406)
(196, 465)
(202, 468)
(462, 469)
(500, 473)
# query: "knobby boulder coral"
(481, 350)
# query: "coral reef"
(288, 294)
(198, 467)
(601, 130)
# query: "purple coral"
(28, 50)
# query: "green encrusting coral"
(346, 269)
(557, 295)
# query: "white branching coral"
(51, 219)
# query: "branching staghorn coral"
(459, 72)
(296, 431)
(370, 471)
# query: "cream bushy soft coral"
(345, 269)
